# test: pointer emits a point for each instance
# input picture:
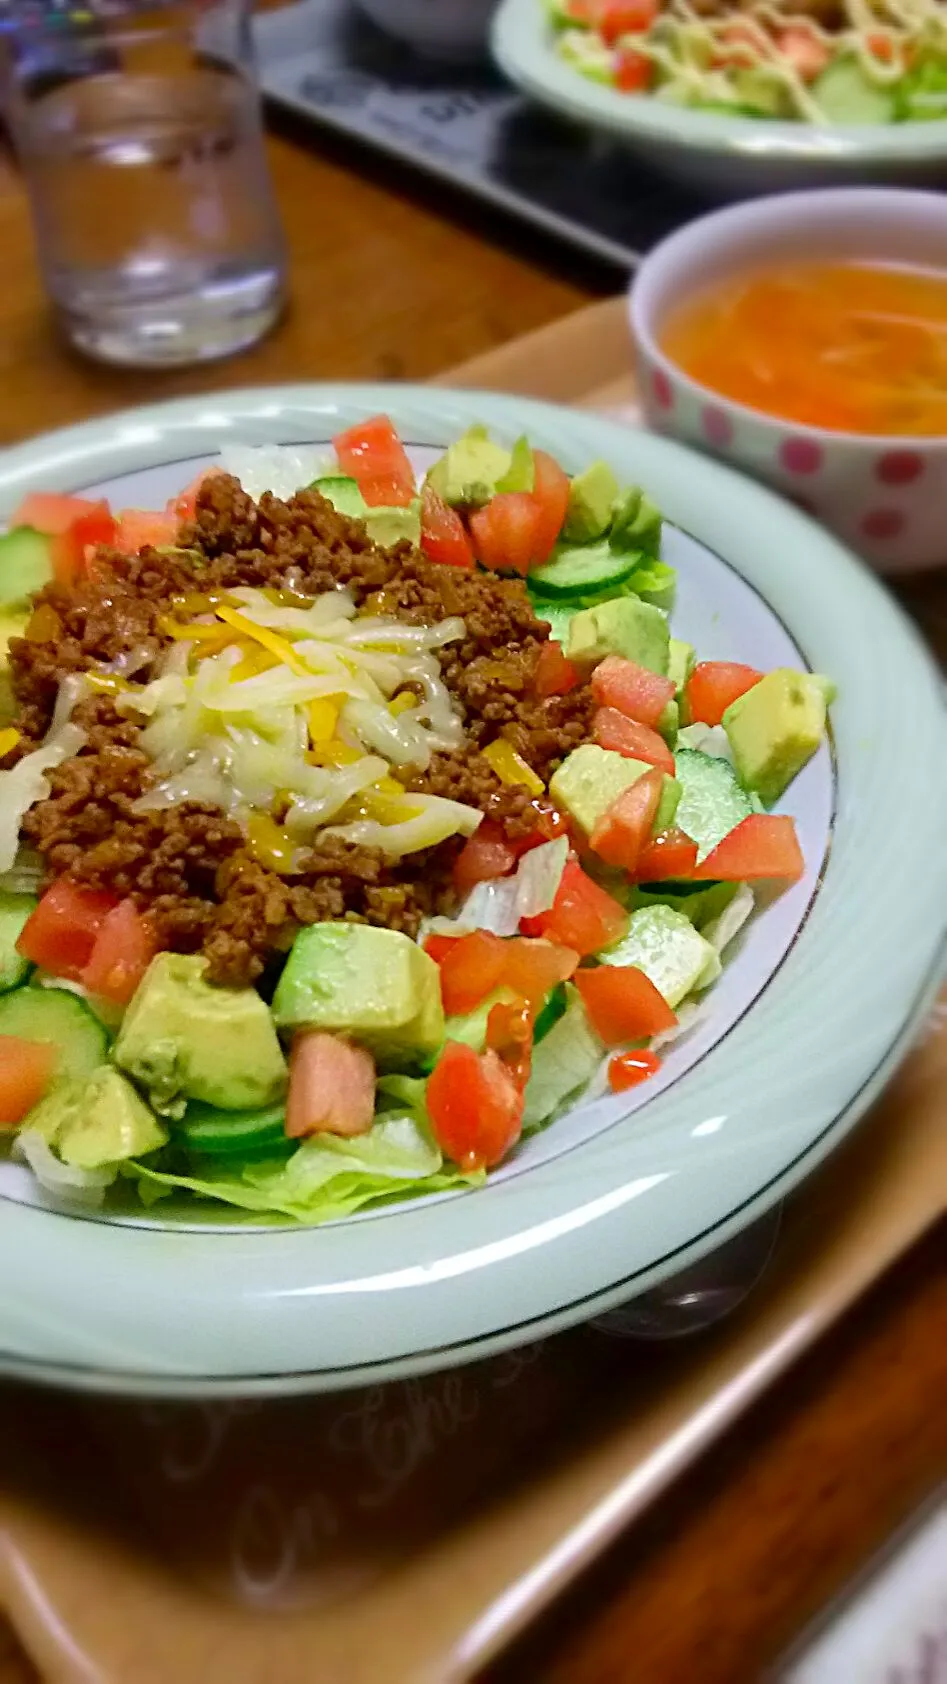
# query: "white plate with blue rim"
(620, 1193)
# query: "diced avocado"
(636, 523)
(563, 1064)
(588, 54)
(184, 1038)
(775, 728)
(13, 623)
(669, 721)
(625, 626)
(376, 985)
(470, 1028)
(591, 496)
(682, 659)
(762, 90)
(521, 473)
(394, 526)
(96, 1120)
(386, 526)
(25, 566)
(343, 493)
(665, 945)
(466, 475)
(846, 95)
(14, 911)
(591, 778)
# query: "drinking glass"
(139, 132)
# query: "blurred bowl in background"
(443, 29)
(885, 496)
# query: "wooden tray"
(406, 1533)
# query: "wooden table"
(721, 1575)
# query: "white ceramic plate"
(711, 149)
(802, 1030)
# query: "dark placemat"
(324, 61)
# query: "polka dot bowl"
(886, 497)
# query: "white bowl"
(444, 29)
(720, 153)
(884, 495)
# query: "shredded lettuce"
(326, 1178)
(563, 1063)
(498, 905)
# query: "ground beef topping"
(190, 866)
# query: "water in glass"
(155, 223)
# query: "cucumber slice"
(700, 902)
(343, 493)
(258, 1132)
(52, 1014)
(14, 911)
(584, 570)
(25, 565)
(712, 801)
(553, 1008)
(558, 616)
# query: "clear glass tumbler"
(139, 132)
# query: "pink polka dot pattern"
(661, 387)
(800, 456)
(718, 427)
(899, 467)
(883, 523)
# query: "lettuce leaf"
(326, 1178)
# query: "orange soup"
(853, 347)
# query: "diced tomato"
(96, 525)
(510, 1036)
(884, 47)
(583, 917)
(713, 685)
(485, 855)
(624, 831)
(532, 968)
(123, 950)
(551, 824)
(670, 856)
(623, 1004)
(372, 453)
(60, 933)
(614, 18)
(633, 71)
(443, 535)
(437, 947)
(331, 1086)
(475, 1106)
(765, 845)
(551, 493)
(184, 506)
(26, 1070)
(554, 675)
(137, 527)
(633, 690)
(625, 736)
(804, 51)
(471, 971)
(627, 1069)
(51, 512)
(507, 532)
